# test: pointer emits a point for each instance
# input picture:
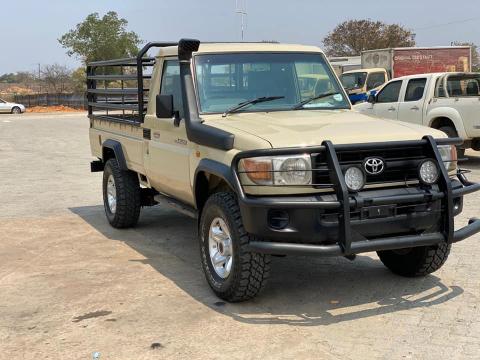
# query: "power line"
(448, 23)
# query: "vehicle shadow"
(472, 162)
(303, 291)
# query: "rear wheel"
(16, 110)
(417, 261)
(121, 195)
(451, 133)
(233, 272)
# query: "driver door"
(387, 101)
(169, 148)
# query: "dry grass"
(47, 109)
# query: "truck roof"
(219, 47)
(435, 75)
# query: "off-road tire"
(417, 261)
(250, 270)
(128, 196)
(451, 133)
(16, 110)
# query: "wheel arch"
(211, 176)
(113, 149)
(447, 117)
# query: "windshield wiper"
(309, 100)
(251, 102)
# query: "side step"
(177, 205)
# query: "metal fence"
(77, 101)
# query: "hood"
(312, 127)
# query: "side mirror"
(371, 99)
(164, 105)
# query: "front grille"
(401, 163)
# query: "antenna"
(241, 9)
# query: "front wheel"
(16, 110)
(233, 272)
(417, 261)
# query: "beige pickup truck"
(259, 143)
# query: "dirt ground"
(71, 286)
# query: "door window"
(171, 84)
(375, 80)
(463, 85)
(390, 93)
(415, 89)
(439, 88)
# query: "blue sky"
(30, 31)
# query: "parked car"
(361, 83)
(449, 102)
(227, 137)
(11, 108)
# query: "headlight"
(279, 170)
(428, 172)
(354, 178)
(449, 156)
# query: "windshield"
(353, 80)
(463, 85)
(226, 80)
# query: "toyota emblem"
(374, 166)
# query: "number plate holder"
(377, 212)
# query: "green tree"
(352, 37)
(475, 54)
(8, 78)
(79, 78)
(101, 38)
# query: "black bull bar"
(347, 201)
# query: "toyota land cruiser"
(259, 143)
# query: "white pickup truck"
(446, 101)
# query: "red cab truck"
(397, 62)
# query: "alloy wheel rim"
(220, 247)
(111, 194)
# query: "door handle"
(416, 108)
(392, 108)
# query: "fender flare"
(117, 150)
(451, 114)
(216, 168)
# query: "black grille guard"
(346, 202)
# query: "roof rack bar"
(115, 77)
(121, 62)
(110, 106)
(124, 91)
(140, 76)
(137, 104)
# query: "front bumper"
(343, 224)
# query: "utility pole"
(241, 9)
